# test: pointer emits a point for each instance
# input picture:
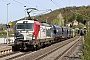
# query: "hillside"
(68, 13)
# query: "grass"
(86, 55)
(4, 34)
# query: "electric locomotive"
(30, 34)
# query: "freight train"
(32, 34)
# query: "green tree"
(56, 21)
(79, 18)
(71, 18)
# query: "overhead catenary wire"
(55, 3)
(41, 5)
(29, 3)
(58, 3)
(13, 2)
(42, 11)
(70, 10)
(28, 6)
(24, 5)
(34, 4)
(18, 2)
(46, 11)
(37, 6)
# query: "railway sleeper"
(5, 51)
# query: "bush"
(87, 47)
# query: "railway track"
(59, 52)
(55, 51)
(12, 55)
(7, 54)
(45, 52)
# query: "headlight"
(33, 37)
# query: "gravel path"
(76, 52)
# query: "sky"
(16, 9)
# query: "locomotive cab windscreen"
(24, 26)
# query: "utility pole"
(7, 22)
(25, 12)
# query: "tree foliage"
(56, 21)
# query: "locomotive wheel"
(15, 48)
(22, 50)
(37, 47)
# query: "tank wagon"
(57, 31)
(69, 32)
(64, 32)
(73, 33)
